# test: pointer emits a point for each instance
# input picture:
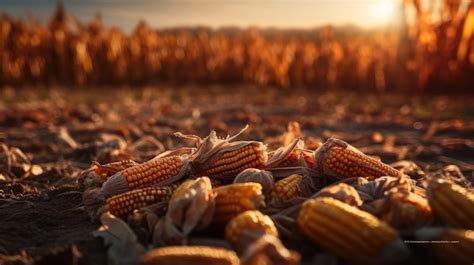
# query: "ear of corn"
(341, 192)
(406, 210)
(187, 255)
(231, 200)
(452, 204)
(251, 221)
(345, 230)
(161, 171)
(340, 160)
(125, 203)
(107, 170)
(231, 163)
(453, 246)
(287, 156)
(222, 158)
(291, 187)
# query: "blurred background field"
(417, 46)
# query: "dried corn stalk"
(450, 246)
(348, 232)
(452, 204)
(341, 192)
(187, 255)
(231, 200)
(263, 177)
(155, 172)
(286, 191)
(252, 221)
(287, 156)
(222, 158)
(340, 160)
(190, 208)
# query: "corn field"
(432, 50)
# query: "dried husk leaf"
(379, 188)
(283, 153)
(342, 192)
(266, 249)
(190, 209)
(122, 243)
(265, 178)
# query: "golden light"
(382, 11)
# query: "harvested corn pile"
(364, 213)
(124, 185)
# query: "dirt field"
(62, 132)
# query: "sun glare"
(382, 11)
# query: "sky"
(218, 13)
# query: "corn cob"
(289, 188)
(234, 199)
(345, 230)
(252, 221)
(263, 177)
(340, 160)
(107, 170)
(186, 255)
(406, 210)
(161, 171)
(452, 246)
(125, 203)
(452, 204)
(232, 163)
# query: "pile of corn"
(273, 207)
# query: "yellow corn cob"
(452, 204)
(338, 159)
(160, 171)
(453, 246)
(252, 221)
(406, 210)
(152, 172)
(186, 255)
(125, 203)
(289, 188)
(234, 199)
(345, 230)
(232, 163)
